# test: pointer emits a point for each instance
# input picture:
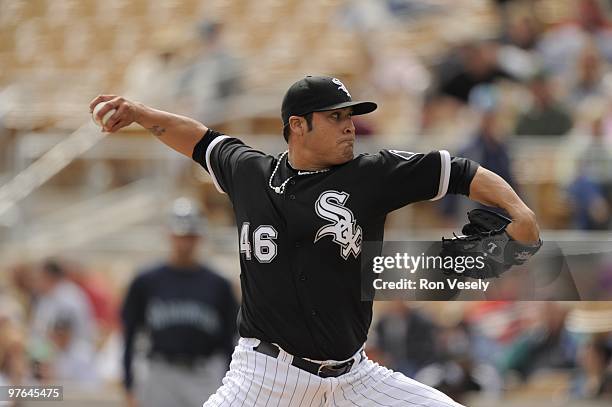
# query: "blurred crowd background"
(523, 87)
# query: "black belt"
(319, 369)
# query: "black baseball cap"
(318, 94)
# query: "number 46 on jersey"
(264, 248)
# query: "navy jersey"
(187, 313)
(300, 236)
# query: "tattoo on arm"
(157, 130)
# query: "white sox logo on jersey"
(341, 86)
(343, 229)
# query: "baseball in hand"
(108, 114)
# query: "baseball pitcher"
(301, 219)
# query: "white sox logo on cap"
(343, 229)
(341, 86)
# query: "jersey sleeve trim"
(212, 144)
(445, 167)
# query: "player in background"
(188, 313)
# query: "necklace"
(281, 188)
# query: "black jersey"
(300, 236)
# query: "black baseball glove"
(486, 250)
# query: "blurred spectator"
(588, 76)
(518, 54)
(591, 210)
(590, 192)
(406, 338)
(72, 360)
(475, 64)
(594, 379)
(561, 46)
(457, 373)
(592, 19)
(595, 159)
(58, 297)
(189, 313)
(548, 345)
(593, 120)
(486, 146)
(63, 327)
(463, 69)
(494, 325)
(544, 116)
(100, 295)
(522, 30)
(213, 78)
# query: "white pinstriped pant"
(255, 379)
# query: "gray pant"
(167, 384)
